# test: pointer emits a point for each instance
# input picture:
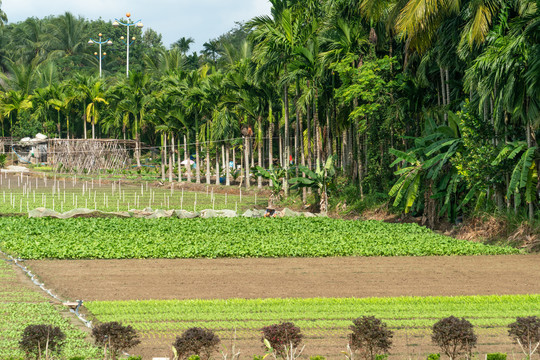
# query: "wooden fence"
(89, 155)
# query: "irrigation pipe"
(41, 285)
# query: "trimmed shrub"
(370, 337)
(434, 356)
(115, 337)
(196, 342)
(525, 332)
(39, 340)
(496, 356)
(454, 336)
(281, 337)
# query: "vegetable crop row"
(317, 313)
(225, 237)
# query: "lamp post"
(127, 40)
(101, 55)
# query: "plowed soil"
(294, 277)
(291, 277)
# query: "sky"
(200, 19)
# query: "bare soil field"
(290, 277)
(298, 277)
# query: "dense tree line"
(436, 103)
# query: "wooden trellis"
(89, 155)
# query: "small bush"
(38, 340)
(370, 336)
(115, 337)
(381, 357)
(434, 357)
(525, 332)
(496, 356)
(2, 160)
(317, 357)
(454, 336)
(198, 342)
(281, 337)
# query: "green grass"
(313, 316)
(21, 306)
(225, 237)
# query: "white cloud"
(200, 19)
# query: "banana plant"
(274, 176)
(321, 180)
(524, 175)
(427, 166)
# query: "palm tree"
(136, 95)
(183, 44)
(12, 103)
(96, 96)
(275, 38)
(212, 48)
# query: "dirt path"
(268, 278)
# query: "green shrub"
(317, 357)
(381, 357)
(2, 160)
(496, 356)
(434, 357)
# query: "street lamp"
(127, 40)
(101, 55)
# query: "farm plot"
(21, 306)
(324, 321)
(225, 237)
(19, 194)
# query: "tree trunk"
(171, 160)
(186, 159)
(163, 155)
(227, 166)
(93, 128)
(246, 161)
(308, 129)
(217, 165)
(259, 149)
(281, 150)
(287, 151)
(137, 144)
(84, 120)
(302, 153)
(359, 162)
(172, 150)
(529, 144)
(197, 161)
(344, 160)
(447, 87)
(179, 161)
(207, 162)
(270, 148)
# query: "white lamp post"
(127, 40)
(101, 55)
